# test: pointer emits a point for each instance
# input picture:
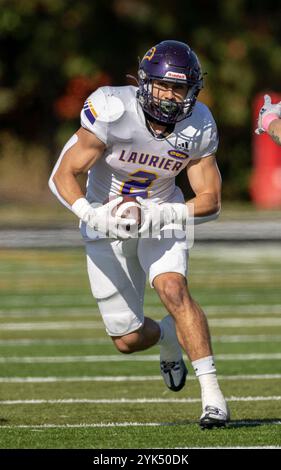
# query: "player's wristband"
(81, 208)
(206, 218)
(267, 120)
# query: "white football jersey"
(135, 162)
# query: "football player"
(134, 141)
(269, 119)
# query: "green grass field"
(63, 385)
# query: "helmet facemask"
(164, 110)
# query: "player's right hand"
(101, 219)
(266, 109)
(157, 215)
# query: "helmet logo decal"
(150, 53)
(170, 74)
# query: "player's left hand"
(266, 109)
(157, 215)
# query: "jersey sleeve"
(94, 115)
(208, 138)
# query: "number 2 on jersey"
(133, 186)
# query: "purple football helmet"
(175, 62)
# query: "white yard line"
(110, 401)
(246, 338)
(65, 325)
(133, 424)
(43, 312)
(241, 309)
(249, 309)
(119, 358)
(234, 322)
(119, 378)
(94, 341)
(57, 342)
(81, 425)
(128, 378)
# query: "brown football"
(128, 208)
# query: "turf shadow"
(249, 423)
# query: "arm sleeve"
(95, 115)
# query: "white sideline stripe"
(222, 322)
(126, 378)
(93, 341)
(129, 400)
(120, 358)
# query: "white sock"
(211, 393)
(205, 365)
(170, 349)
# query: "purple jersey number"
(134, 187)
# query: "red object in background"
(68, 106)
(265, 184)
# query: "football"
(128, 208)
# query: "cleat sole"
(175, 388)
(212, 423)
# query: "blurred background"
(54, 53)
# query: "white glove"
(267, 113)
(157, 215)
(101, 219)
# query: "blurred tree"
(55, 52)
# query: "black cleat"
(213, 417)
(174, 374)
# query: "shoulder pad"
(104, 105)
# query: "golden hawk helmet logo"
(150, 53)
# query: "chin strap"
(131, 77)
